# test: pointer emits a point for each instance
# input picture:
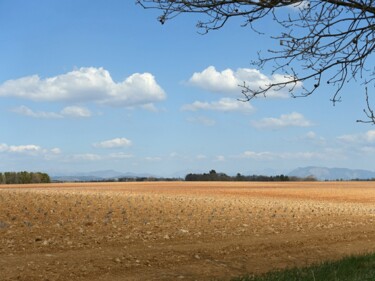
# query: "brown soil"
(178, 230)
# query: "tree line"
(214, 176)
(24, 177)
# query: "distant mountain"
(98, 176)
(106, 174)
(323, 173)
(74, 178)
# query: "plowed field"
(179, 230)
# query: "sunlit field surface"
(179, 230)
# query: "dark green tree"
(24, 177)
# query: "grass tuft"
(354, 268)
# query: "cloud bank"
(293, 119)
(202, 120)
(223, 105)
(69, 111)
(28, 149)
(228, 81)
(266, 155)
(113, 143)
(87, 84)
(367, 137)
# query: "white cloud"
(28, 149)
(113, 143)
(24, 110)
(56, 150)
(349, 138)
(76, 111)
(266, 155)
(69, 111)
(202, 120)
(367, 137)
(370, 136)
(367, 150)
(293, 119)
(314, 138)
(223, 105)
(92, 157)
(220, 158)
(153, 159)
(302, 5)
(120, 155)
(86, 157)
(258, 155)
(311, 135)
(87, 84)
(174, 155)
(201, 157)
(212, 80)
(228, 81)
(150, 107)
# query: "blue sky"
(93, 85)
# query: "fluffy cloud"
(220, 158)
(370, 136)
(201, 157)
(367, 137)
(265, 155)
(86, 84)
(85, 157)
(258, 155)
(310, 135)
(92, 157)
(24, 110)
(313, 138)
(212, 80)
(114, 143)
(305, 4)
(366, 150)
(56, 150)
(120, 155)
(223, 105)
(29, 149)
(293, 119)
(76, 111)
(153, 159)
(150, 107)
(202, 120)
(228, 81)
(69, 111)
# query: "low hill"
(97, 176)
(323, 173)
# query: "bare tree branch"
(321, 41)
(368, 112)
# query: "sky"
(101, 85)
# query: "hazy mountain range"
(98, 175)
(320, 173)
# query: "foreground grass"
(356, 268)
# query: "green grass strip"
(354, 268)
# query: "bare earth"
(177, 230)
